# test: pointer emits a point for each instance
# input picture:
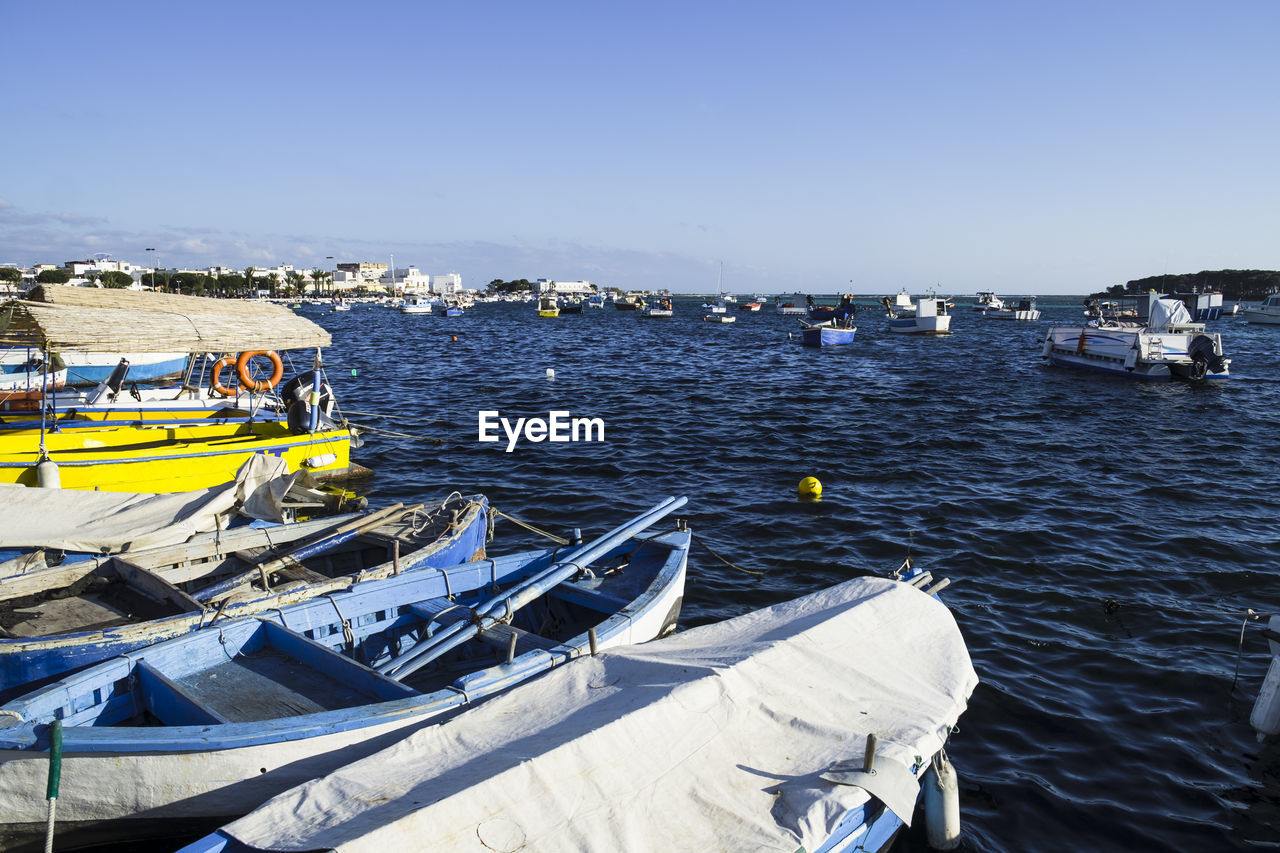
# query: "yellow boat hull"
(169, 458)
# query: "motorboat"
(1266, 313)
(658, 307)
(987, 300)
(828, 333)
(548, 306)
(1163, 343)
(415, 303)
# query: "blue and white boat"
(1024, 310)
(90, 368)
(210, 725)
(61, 618)
(827, 334)
(844, 310)
(1163, 343)
(817, 724)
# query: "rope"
(527, 526)
(384, 417)
(1249, 615)
(698, 540)
(387, 432)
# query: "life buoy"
(215, 381)
(247, 380)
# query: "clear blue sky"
(1021, 147)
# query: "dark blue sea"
(1105, 538)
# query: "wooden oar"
(328, 541)
(500, 607)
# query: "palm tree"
(320, 277)
(248, 277)
(294, 280)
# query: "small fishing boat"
(830, 333)
(1202, 305)
(209, 725)
(628, 302)
(790, 307)
(717, 307)
(91, 368)
(340, 304)
(720, 318)
(1265, 313)
(751, 306)
(1025, 310)
(595, 300)
(30, 381)
(929, 317)
(548, 306)
(657, 307)
(62, 618)
(902, 301)
(987, 301)
(166, 454)
(415, 303)
(816, 724)
(571, 306)
(1163, 344)
(844, 310)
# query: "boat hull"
(35, 659)
(130, 777)
(825, 336)
(940, 325)
(1129, 351)
(165, 458)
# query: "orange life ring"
(215, 381)
(247, 380)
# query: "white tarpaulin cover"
(1165, 311)
(712, 739)
(100, 522)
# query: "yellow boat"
(166, 458)
(166, 449)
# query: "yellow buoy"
(810, 488)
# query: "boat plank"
(151, 584)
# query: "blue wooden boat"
(209, 725)
(58, 619)
(816, 724)
(825, 335)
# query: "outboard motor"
(296, 394)
(1204, 357)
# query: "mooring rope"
(527, 526)
(387, 432)
(707, 548)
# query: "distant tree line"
(520, 285)
(1234, 284)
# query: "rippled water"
(1104, 537)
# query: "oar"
(502, 606)
(329, 541)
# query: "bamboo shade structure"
(99, 320)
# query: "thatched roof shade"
(100, 320)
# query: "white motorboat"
(1164, 345)
(929, 316)
(659, 307)
(987, 301)
(1266, 313)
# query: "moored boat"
(831, 333)
(91, 368)
(1163, 344)
(659, 306)
(1025, 310)
(415, 303)
(930, 316)
(209, 725)
(816, 724)
(548, 306)
(58, 619)
(988, 301)
(1265, 313)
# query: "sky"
(1026, 148)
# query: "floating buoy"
(47, 475)
(551, 374)
(353, 371)
(455, 339)
(941, 804)
(810, 488)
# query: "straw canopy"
(88, 318)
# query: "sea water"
(1105, 537)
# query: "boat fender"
(246, 378)
(1265, 718)
(941, 804)
(47, 476)
(215, 378)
